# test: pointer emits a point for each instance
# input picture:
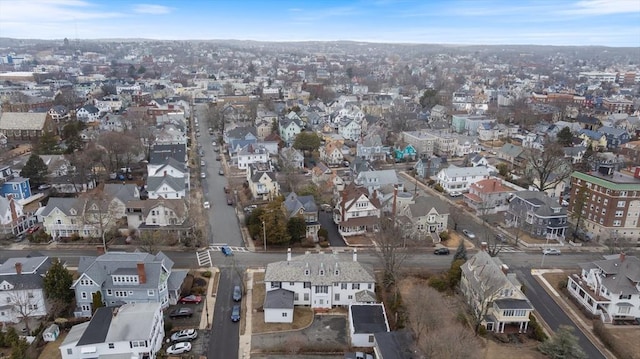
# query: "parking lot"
(198, 345)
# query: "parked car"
(196, 299)
(551, 251)
(184, 335)
(33, 229)
(468, 233)
(221, 172)
(226, 251)
(226, 189)
(230, 200)
(206, 205)
(203, 175)
(326, 207)
(202, 163)
(235, 313)
(181, 313)
(250, 208)
(441, 251)
(179, 348)
(501, 238)
(362, 355)
(455, 194)
(44, 186)
(237, 293)
(218, 158)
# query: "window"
(336, 297)
(83, 295)
(275, 284)
(306, 297)
(86, 307)
(621, 203)
(623, 193)
(307, 284)
(150, 292)
(322, 289)
(109, 292)
(625, 296)
(111, 346)
(343, 285)
(619, 213)
(69, 351)
(369, 286)
(617, 223)
(284, 314)
(355, 286)
(624, 310)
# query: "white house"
(21, 293)
(133, 330)
(292, 158)
(156, 213)
(289, 128)
(251, 153)
(166, 187)
(375, 179)
(459, 179)
(88, 113)
(609, 288)
(350, 129)
(278, 306)
(365, 320)
(322, 280)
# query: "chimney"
(142, 275)
(288, 254)
(495, 185)
(355, 255)
(100, 250)
(483, 246)
(505, 269)
(636, 174)
(343, 204)
(622, 256)
(18, 268)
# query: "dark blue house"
(18, 187)
(615, 136)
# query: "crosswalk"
(204, 258)
(510, 249)
(216, 248)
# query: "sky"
(482, 22)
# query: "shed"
(51, 333)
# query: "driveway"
(326, 331)
(326, 221)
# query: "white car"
(184, 335)
(203, 175)
(455, 194)
(551, 251)
(179, 348)
(468, 233)
(206, 205)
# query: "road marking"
(217, 248)
(204, 258)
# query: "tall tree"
(71, 136)
(47, 144)
(545, 169)
(577, 204)
(57, 282)
(297, 228)
(461, 252)
(391, 252)
(35, 170)
(99, 212)
(563, 345)
(275, 222)
(307, 141)
(565, 137)
(120, 150)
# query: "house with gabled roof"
(262, 181)
(322, 280)
(615, 136)
(88, 113)
(133, 330)
(251, 153)
(609, 288)
(65, 217)
(331, 153)
(371, 148)
(372, 180)
(422, 216)
(24, 125)
(167, 187)
(357, 211)
(160, 153)
(155, 214)
(291, 158)
(537, 214)
(126, 277)
(58, 113)
(488, 196)
(512, 154)
(306, 208)
(594, 139)
(120, 195)
(494, 293)
(289, 128)
(21, 288)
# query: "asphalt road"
(553, 315)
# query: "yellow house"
(594, 139)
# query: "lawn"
(302, 316)
(51, 350)
(521, 351)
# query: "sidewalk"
(576, 318)
(244, 351)
(210, 300)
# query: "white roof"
(22, 120)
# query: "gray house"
(537, 214)
(126, 278)
(305, 207)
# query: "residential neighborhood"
(304, 198)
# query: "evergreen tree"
(461, 252)
(35, 170)
(96, 301)
(297, 228)
(564, 345)
(565, 137)
(57, 283)
(47, 144)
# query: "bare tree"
(99, 214)
(150, 241)
(545, 169)
(480, 296)
(120, 150)
(391, 250)
(25, 303)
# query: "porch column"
(526, 326)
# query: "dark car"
(181, 313)
(221, 172)
(441, 251)
(230, 200)
(237, 293)
(235, 313)
(226, 189)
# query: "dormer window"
(307, 271)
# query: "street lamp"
(264, 235)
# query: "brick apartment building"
(611, 206)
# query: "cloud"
(151, 9)
(52, 11)
(603, 7)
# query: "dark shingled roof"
(368, 319)
(98, 327)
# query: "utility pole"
(264, 235)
